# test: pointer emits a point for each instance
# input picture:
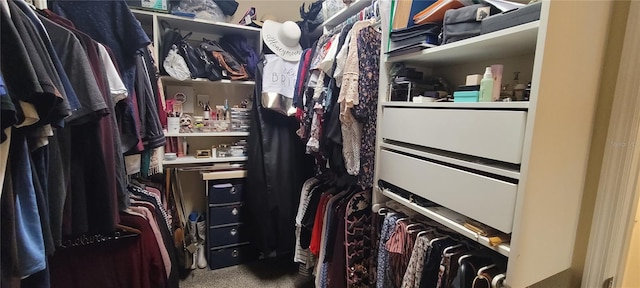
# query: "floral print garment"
(369, 42)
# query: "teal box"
(466, 96)
(154, 5)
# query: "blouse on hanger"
(351, 129)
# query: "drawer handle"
(234, 211)
(233, 190)
(235, 253)
(234, 232)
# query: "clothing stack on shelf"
(415, 38)
(78, 93)
(336, 98)
(333, 233)
(417, 253)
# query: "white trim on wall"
(617, 192)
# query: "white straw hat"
(283, 39)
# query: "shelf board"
(224, 175)
(513, 105)
(513, 41)
(208, 134)
(342, 15)
(493, 169)
(449, 219)
(201, 25)
(169, 79)
(194, 160)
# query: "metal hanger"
(425, 231)
(438, 239)
(383, 211)
(498, 281)
(446, 250)
(402, 219)
(464, 257)
(485, 268)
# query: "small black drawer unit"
(228, 240)
(228, 214)
(231, 255)
(222, 193)
(228, 235)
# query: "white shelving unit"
(341, 16)
(448, 153)
(208, 134)
(186, 160)
(520, 105)
(217, 91)
(197, 26)
(513, 41)
(171, 80)
(449, 219)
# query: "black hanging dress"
(277, 168)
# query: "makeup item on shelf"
(466, 96)
(214, 153)
(203, 154)
(422, 99)
(473, 79)
(223, 151)
(227, 110)
(173, 124)
(527, 92)
(518, 92)
(185, 146)
(198, 123)
(181, 146)
(469, 88)
(506, 92)
(220, 112)
(170, 156)
(237, 151)
(206, 113)
(496, 71)
(486, 86)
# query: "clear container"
(223, 150)
(214, 151)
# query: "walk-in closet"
(317, 143)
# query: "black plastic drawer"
(225, 215)
(229, 235)
(220, 258)
(222, 193)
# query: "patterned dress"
(365, 112)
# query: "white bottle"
(486, 86)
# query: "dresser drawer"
(485, 199)
(220, 258)
(492, 134)
(228, 235)
(225, 215)
(222, 193)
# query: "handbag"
(192, 57)
(174, 46)
(175, 66)
(168, 38)
(465, 22)
(233, 68)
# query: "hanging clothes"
(277, 168)
(113, 24)
(63, 167)
(366, 112)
